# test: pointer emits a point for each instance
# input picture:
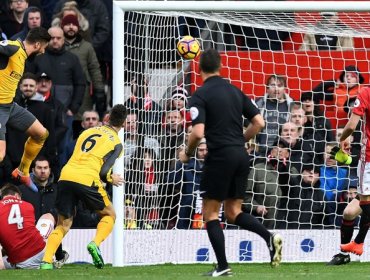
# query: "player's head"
(10, 189)
(118, 115)
(210, 61)
(37, 40)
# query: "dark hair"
(210, 61)
(9, 189)
(118, 115)
(38, 34)
(33, 9)
(41, 158)
(275, 77)
(28, 75)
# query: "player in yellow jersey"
(81, 178)
(13, 55)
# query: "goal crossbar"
(246, 6)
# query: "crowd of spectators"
(293, 183)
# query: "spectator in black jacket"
(45, 87)
(44, 200)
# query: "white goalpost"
(156, 215)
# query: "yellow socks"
(53, 243)
(31, 149)
(103, 229)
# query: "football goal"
(315, 47)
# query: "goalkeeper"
(360, 110)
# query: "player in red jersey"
(19, 237)
(360, 110)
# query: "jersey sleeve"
(6, 49)
(250, 109)
(109, 159)
(197, 109)
(361, 103)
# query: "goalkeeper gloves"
(340, 156)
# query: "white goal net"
(303, 70)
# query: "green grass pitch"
(286, 271)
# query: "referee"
(216, 111)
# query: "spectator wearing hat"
(321, 41)
(70, 8)
(97, 15)
(179, 101)
(340, 94)
(90, 65)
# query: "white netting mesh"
(163, 193)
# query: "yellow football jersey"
(95, 152)
(12, 61)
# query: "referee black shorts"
(225, 174)
(69, 193)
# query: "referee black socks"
(249, 222)
(217, 239)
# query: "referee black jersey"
(220, 106)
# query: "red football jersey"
(362, 108)
(19, 235)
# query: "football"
(188, 47)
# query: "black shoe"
(275, 247)
(339, 259)
(61, 262)
(216, 272)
